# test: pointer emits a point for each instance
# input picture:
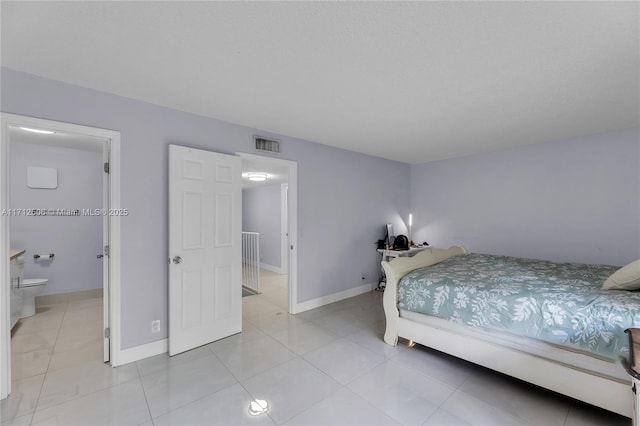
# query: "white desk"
(392, 254)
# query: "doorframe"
(292, 215)
(284, 228)
(111, 288)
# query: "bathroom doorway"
(59, 203)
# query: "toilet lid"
(33, 281)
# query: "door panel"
(205, 287)
(223, 220)
(192, 233)
(192, 284)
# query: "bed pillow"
(625, 278)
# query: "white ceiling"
(410, 81)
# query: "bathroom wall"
(75, 240)
(261, 213)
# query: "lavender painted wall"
(261, 213)
(75, 240)
(344, 197)
(571, 201)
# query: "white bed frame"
(587, 386)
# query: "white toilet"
(30, 288)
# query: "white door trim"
(284, 229)
(8, 120)
(292, 214)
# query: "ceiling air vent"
(268, 145)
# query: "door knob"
(100, 256)
(177, 259)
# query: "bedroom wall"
(75, 240)
(261, 213)
(576, 200)
(344, 198)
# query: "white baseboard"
(332, 298)
(127, 356)
(272, 268)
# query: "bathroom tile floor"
(326, 366)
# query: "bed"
(548, 324)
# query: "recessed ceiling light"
(257, 177)
(44, 132)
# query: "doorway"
(275, 211)
(33, 140)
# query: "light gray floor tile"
(63, 357)
(119, 405)
(83, 313)
(253, 357)
(343, 323)
(527, 402)
(70, 383)
(373, 341)
(442, 367)
(291, 388)
(44, 320)
(23, 398)
(36, 341)
(368, 306)
(28, 364)
(229, 406)
(304, 337)
(342, 408)
(255, 309)
(19, 421)
(314, 314)
(402, 393)
(72, 338)
(165, 362)
(274, 323)
(169, 389)
(344, 360)
(461, 409)
(249, 332)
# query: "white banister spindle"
(251, 261)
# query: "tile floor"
(326, 366)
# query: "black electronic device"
(401, 242)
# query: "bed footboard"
(398, 268)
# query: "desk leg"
(382, 282)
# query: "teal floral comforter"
(561, 303)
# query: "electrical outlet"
(155, 326)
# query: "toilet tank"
(17, 271)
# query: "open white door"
(205, 278)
